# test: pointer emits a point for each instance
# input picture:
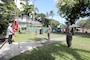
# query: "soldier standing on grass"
(49, 31)
(68, 34)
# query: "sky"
(46, 6)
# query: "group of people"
(69, 33)
(11, 32)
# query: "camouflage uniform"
(69, 35)
(49, 31)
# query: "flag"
(15, 25)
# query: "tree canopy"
(41, 17)
(45, 20)
(51, 13)
(72, 10)
(84, 23)
(54, 23)
(27, 8)
(8, 8)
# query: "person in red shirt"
(15, 25)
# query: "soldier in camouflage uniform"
(68, 34)
(49, 31)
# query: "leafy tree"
(3, 26)
(46, 22)
(84, 24)
(41, 17)
(54, 23)
(47, 14)
(8, 8)
(88, 23)
(27, 8)
(72, 10)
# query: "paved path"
(8, 51)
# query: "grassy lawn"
(80, 50)
(33, 37)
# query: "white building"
(23, 22)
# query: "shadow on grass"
(87, 35)
(37, 39)
(55, 51)
(59, 33)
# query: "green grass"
(80, 50)
(33, 37)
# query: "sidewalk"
(8, 51)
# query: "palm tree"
(8, 8)
(29, 9)
(52, 13)
(47, 14)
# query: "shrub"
(3, 26)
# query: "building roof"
(36, 23)
(25, 21)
